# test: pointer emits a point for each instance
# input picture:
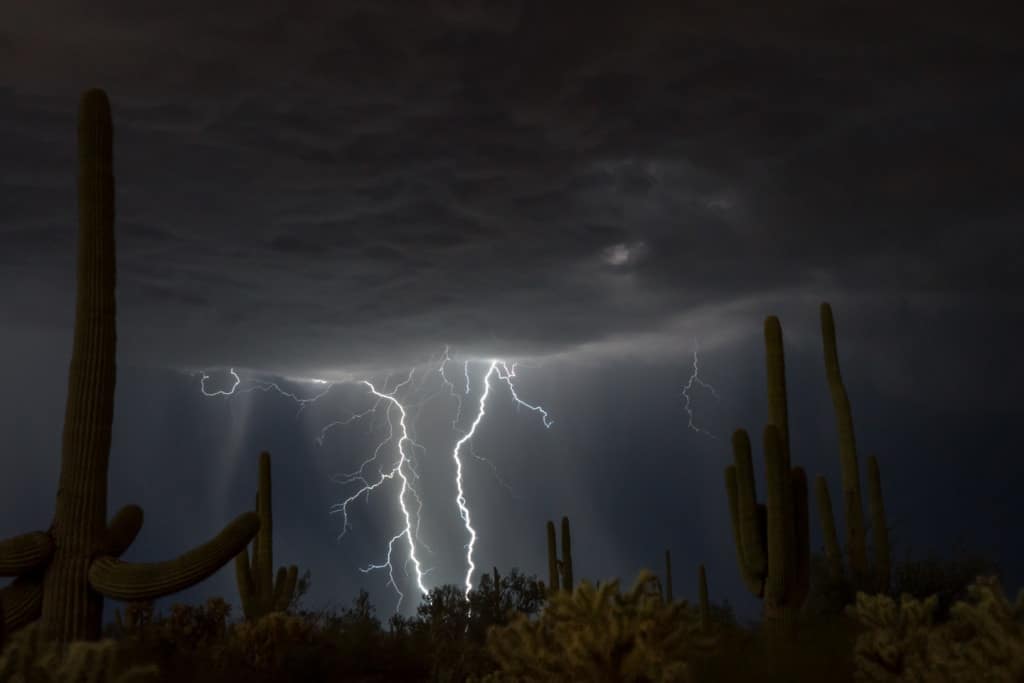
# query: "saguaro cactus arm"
(22, 602)
(21, 554)
(123, 528)
(748, 517)
(131, 581)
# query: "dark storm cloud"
(402, 176)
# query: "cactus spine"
(559, 570)
(65, 572)
(772, 543)
(876, 578)
(261, 594)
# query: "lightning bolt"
(403, 469)
(264, 386)
(397, 471)
(695, 378)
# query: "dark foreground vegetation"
(845, 615)
(599, 632)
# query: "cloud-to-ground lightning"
(695, 378)
(404, 467)
(399, 471)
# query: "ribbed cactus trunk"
(879, 527)
(559, 570)
(63, 574)
(497, 591)
(553, 582)
(265, 536)
(856, 542)
(864, 577)
(772, 539)
(567, 579)
(258, 589)
(71, 609)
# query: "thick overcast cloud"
(331, 189)
(312, 187)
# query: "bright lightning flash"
(695, 378)
(406, 447)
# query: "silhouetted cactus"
(705, 607)
(668, 576)
(772, 540)
(559, 570)
(874, 578)
(261, 594)
(65, 572)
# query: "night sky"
(342, 190)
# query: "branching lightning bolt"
(695, 378)
(404, 470)
(399, 471)
(260, 385)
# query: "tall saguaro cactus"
(863, 576)
(259, 591)
(560, 570)
(772, 539)
(65, 572)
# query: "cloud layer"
(321, 187)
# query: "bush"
(600, 634)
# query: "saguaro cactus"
(772, 540)
(705, 606)
(863, 576)
(65, 572)
(668, 576)
(261, 594)
(560, 570)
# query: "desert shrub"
(31, 657)
(983, 640)
(263, 644)
(948, 579)
(601, 634)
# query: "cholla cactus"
(894, 645)
(599, 634)
(983, 640)
(31, 657)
